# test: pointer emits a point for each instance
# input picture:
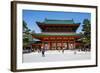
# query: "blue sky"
(31, 16)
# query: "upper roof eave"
(53, 34)
(41, 23)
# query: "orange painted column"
(61, 44)
(74, 44)
(68, 43)
(56, 43)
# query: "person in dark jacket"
(43, 52)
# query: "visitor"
(75, 52)
(63, 50)
(43, 51)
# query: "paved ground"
(51, 56)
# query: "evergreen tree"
(86, 32)
(26, 34)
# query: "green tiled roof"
(47, 21)
(56, 34)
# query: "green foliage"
(24, 26)
(86, 27)
(25, 40)
(26, 34)
(86, 38)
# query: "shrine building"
(57, 34)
